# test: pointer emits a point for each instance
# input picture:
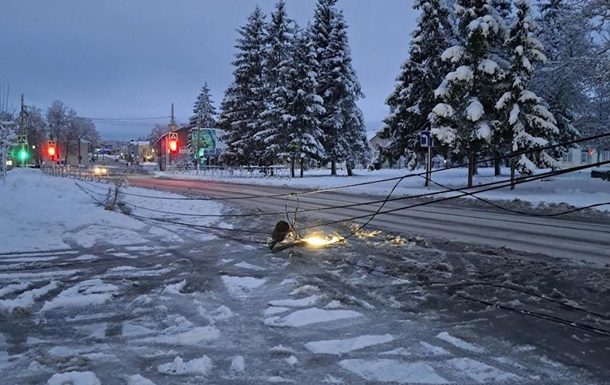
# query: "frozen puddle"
(339, 347)
(311, 316)
(399, 372)
(241, 286)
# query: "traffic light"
(591, 152)
(51, 151)
(23, 154)
(201, 153)
(173, 142)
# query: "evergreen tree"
(204, 114)
(465, 120)
(530, 124)
(303, 107)
(562, 80)
(244, 100)
(279, 51)
(343, 122)
(413, 98)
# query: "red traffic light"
(173, 145)
(173, 142)
(591, 151)
(51, 149)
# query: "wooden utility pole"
(172, 127)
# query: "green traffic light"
(200, 152)
(23, 155)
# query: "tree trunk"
(348, 166)
(333, 167)
(471, 170)
(498, 164)
(292, 167)
(302, 168)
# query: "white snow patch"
(303, 302)
(249, 266)
(201, 366)
(433, 350)
(305, 290)
(396, 352)
(189, 338)
(334, 305)
(278, 379)
(241, 286)
(328, 379)
(292, 360)
(458, 343)
(74, 378)
(238, 364)
(176, 288)
(338, 347)
(85, 257)
(384, 370)
(480, 372)
(13, 288)
(311, 316)
(138, 380)
(86, 293)
(221, 313)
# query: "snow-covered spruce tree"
(204, 116)
(245, 99)
(465, 119)
(204, 112)
(562, 80)
(303, 107)
(279, 51)
(8, 135)
(530, 125)
(413, 98)
(343, 122)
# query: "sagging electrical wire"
(532, 214)
(493, 186)
(559, 320)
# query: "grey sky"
(133, 58)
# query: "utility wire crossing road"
(578, 240)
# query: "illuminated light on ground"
(318, 241)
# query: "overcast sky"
(133, 58)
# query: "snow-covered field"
(90, 296)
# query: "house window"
(585, 157)
(567, 157)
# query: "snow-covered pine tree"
(303, 107)
(279, 51)
(530, 124)
(343, 122)
(465, 118)
(413, 98)
(245, 99)
(204, 116)
(562, 80)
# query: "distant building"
(210, 146)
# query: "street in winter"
(305, 192)
(95, 296)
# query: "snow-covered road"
(141, 303)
